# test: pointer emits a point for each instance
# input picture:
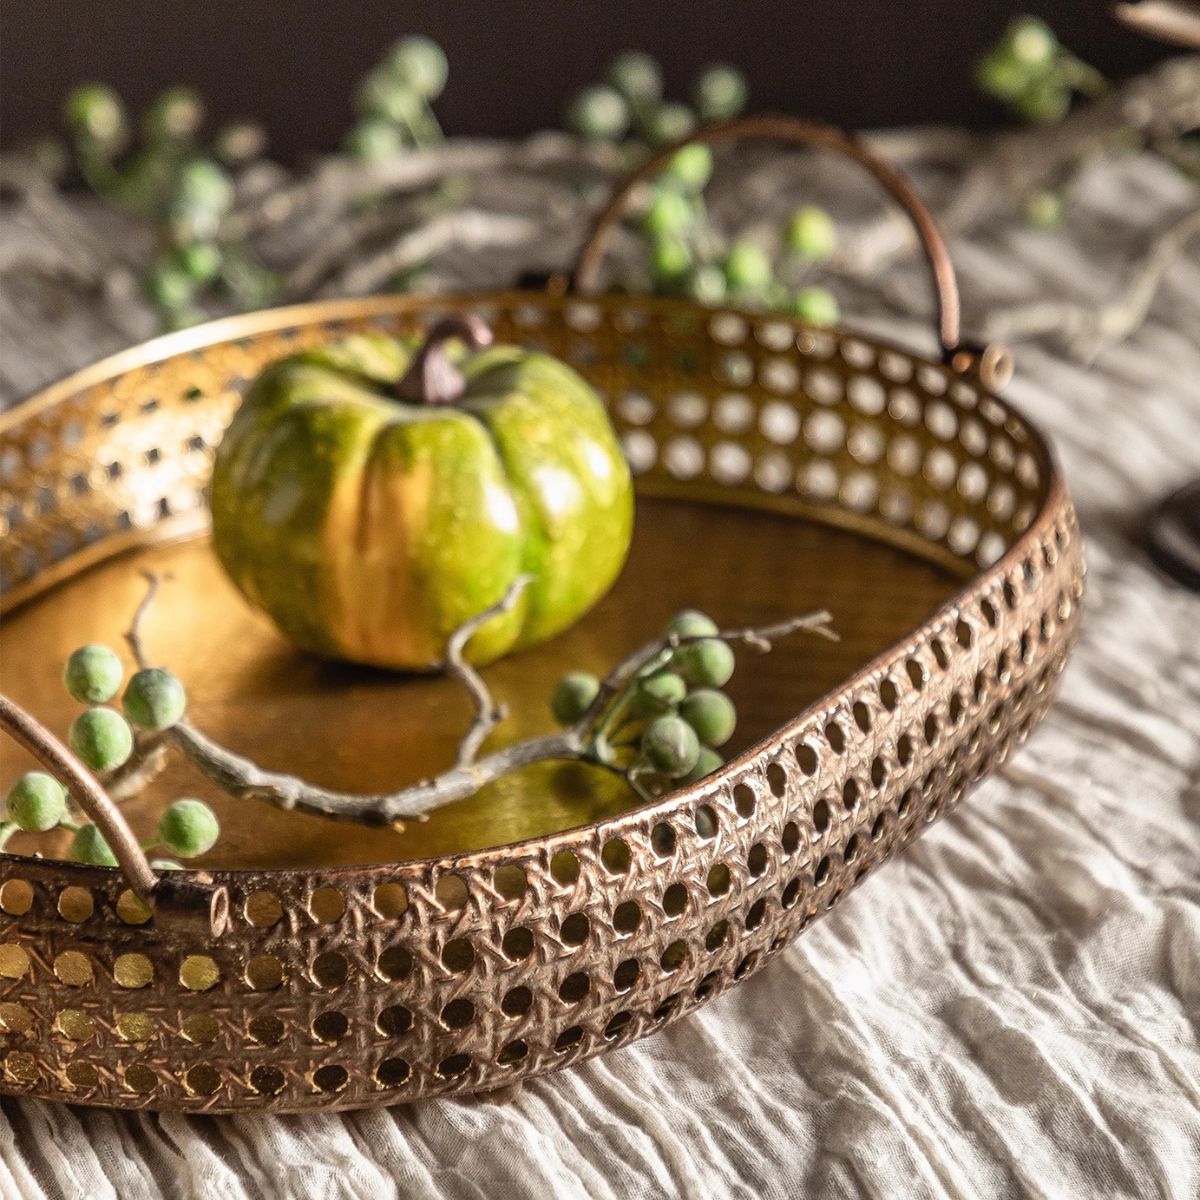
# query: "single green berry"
(154, 699)
(175, 116)
(573, 696)
(188, 828)
(707, 762)
(668, 122)
(203, 195)
(1044, 210)
(708, 663)
(669, 213)
(1045, 102)
(747, 267)
(719, 92)
(598, 114)
(665, 687)
(94, 113)
(205, 184)
(421, 63)
(1030, 42)
(637, 77)
(88, 846)
(811, 233)
(691, 623)
(816, 306)
(199, 261)
(165, 864)
(102, 738)
(37, 802)
(670, 260)
(670, 746)
(381, 94)
(1000, 75)
(240, 142)
(375, 139)
(706, 285)
(691, 168)
(93, 674)
(168, 287)
(711, 714)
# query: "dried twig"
(1087, 329)
(241, 777)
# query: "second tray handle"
(993, 364)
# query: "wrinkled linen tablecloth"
(1010, 1008)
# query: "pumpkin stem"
(431, 377)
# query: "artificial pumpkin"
(373, 495)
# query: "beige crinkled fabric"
(1011, 1008)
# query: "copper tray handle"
(992, 363)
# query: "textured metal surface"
(366, 985)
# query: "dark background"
(513, 63)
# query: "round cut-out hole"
(517, 1001)
(616, 857)
(617, 1024)
(851, 794)
(389, 900)
(451, 892)
(197, 973)
(458, 1014)
(675, 899)
(458, 955)
(574, 930)
(15, 1018)
(140, 1079)
(264, 972)
(706, 822)
(263, 909)
(134, 1027)
(265, 1029)
(756, 860)
(758, 910)
(806, 757)
(75, 969)
(392, 1072)
(626, 974)
(716, 936)
(330, 970)
(791, 892)
(564, 866)
(74, 1024)
(330, 1026)
(776, 779)
(718, 880)
(267, 1081)
(744, 801)
(394, 964)
(674, 956)
(821, 816)
(82, 1075)
(202, 1028)
(662, 840)
(627, 916)
(509, 881)
(790, 840)
(513, 1052)
(862, 716)
(821, 874)
(326, 905)
(16, 897)
(137, 971)
(517, 943)
(835, 737)
(330, 1078)
(75, 904)
(203, 1080)
(574, 988)
(568, 1038)
(394, 1021)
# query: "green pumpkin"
(371, 496)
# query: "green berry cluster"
(393, 101)
(630, 102)
(162, 170)
(103, 739)
(1031, 71)
(669, 722)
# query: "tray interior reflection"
(353, 728)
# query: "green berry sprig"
(1032, 72)
(104, 740)
(671, 717)
(394, 101)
